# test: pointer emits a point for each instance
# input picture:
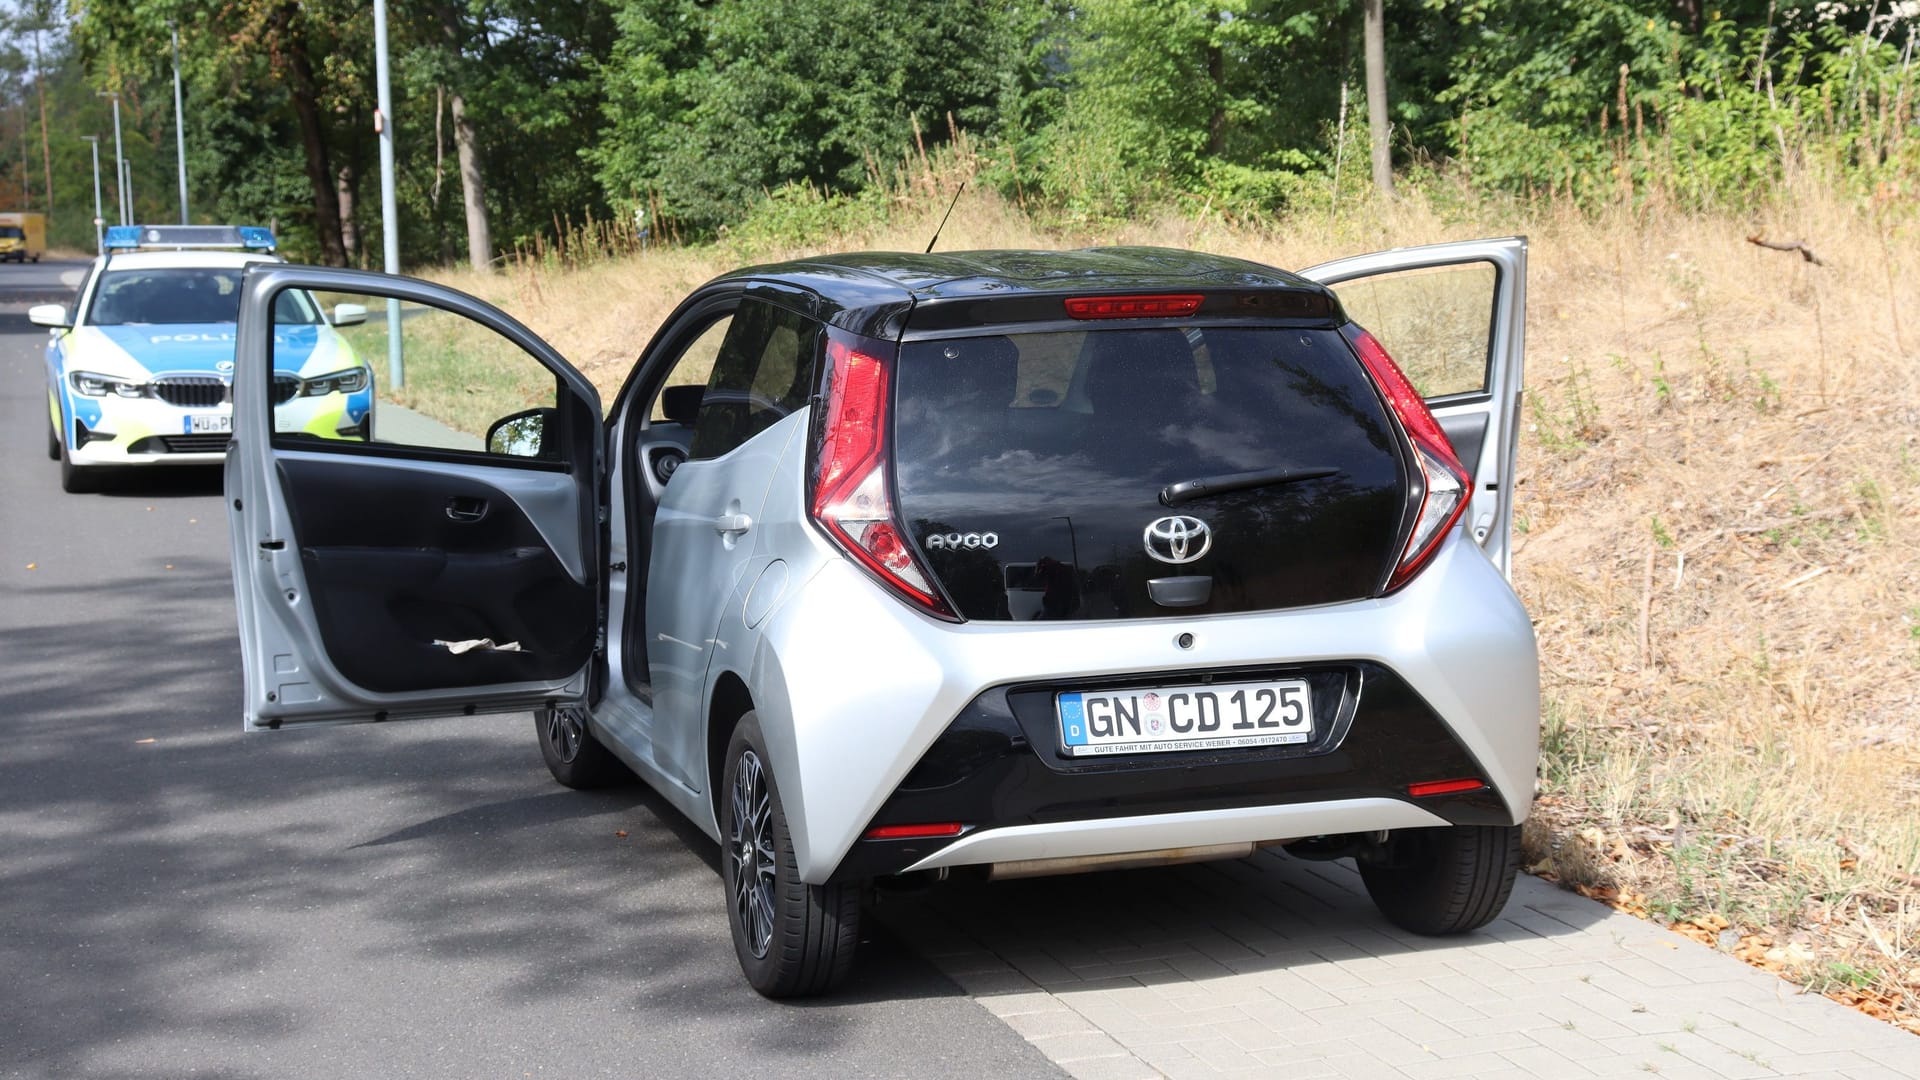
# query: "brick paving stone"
(1085, 1044)
(1040, 1025)
(1118, 1067)
(1274, 967)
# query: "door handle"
(732, 524)
(466, 508)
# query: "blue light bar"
(184, 237)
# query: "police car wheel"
(77, 479)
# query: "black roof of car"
(875, 287)
(996, 272)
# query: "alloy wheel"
(750, 852)
(564, 733)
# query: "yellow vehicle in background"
(23, 236)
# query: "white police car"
(141, 371)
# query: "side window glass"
(764, 372)
(691, 371)
(465, 387)
(1436, 322)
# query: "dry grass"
(1717, 506)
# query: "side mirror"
(349, 314)
(54, 315)
(681, 404)
(524, 435)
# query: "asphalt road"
(182, 900)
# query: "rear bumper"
(846, 738)
(998, 768)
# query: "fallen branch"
(1790, 245)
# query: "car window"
(12, 232)
(1436, 323)
(466, 387)
(763, 373)
(1027, 466)
(170, 297)
(695, 365)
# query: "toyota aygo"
(889, 567)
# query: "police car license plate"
(1166, 718)
(208, 424)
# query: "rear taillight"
(1444, 485)
(850, 498)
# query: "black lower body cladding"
(1000, 763)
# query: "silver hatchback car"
(888, 567)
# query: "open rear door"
(412, 495)
(1453, 316)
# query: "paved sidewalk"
(1273, 966)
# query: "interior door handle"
(732, 524)
(466, 508)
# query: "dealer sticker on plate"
(1167, 718)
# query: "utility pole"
(179, 126)
(389, 208)
(99, 223)
(119, 159)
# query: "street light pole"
(389, 208)
(179, 126)
(99, 223)
(119, 155)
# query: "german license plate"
(208, 424)
(1167, 718)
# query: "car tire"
(793, 939)
(1445, 880)
(574, 757)
(77, 479)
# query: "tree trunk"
(479, 234)
(313, 140)
(473, 186)
(40, 90)
(1376, 49)
(1217, 123)
(349, 228)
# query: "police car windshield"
(184, 295)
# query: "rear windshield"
(1030, 467)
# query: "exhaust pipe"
(1126, 860)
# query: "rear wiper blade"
(1188, 490)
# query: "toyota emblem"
(1178, 539)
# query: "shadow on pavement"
(186, 900)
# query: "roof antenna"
(944, 217)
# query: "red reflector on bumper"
(1443, 787)
(914, 832)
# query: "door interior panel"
(398, 558)
(1466, 431)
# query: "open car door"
(412, 491)
(1453, 316)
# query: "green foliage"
(712, 105)
(773, 117)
